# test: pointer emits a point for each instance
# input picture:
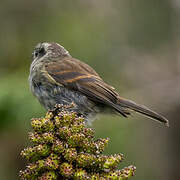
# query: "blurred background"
(133, 45)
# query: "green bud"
(33, 153)
(41, 138)
(70, 154)
(85, 160)
(80, 174)
(112, 161)
(66, 169)
(52, 162)
(42, 125)
(76, 140)
(58, 147)
(50, 175)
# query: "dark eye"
(36, 54)
(39, 52)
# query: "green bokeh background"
(133, 45)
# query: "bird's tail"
(127, 104)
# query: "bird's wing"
(78, 76)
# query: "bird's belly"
(50, 95)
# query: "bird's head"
(49, 51)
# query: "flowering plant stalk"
(64, 148)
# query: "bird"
(58, 78)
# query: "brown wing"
(78, 76)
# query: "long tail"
(127, 104)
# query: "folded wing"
(78, 76)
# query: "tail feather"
(143, 110)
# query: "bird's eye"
(36, 54)
(39, 52)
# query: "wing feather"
(78, 76)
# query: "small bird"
(58, 78)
